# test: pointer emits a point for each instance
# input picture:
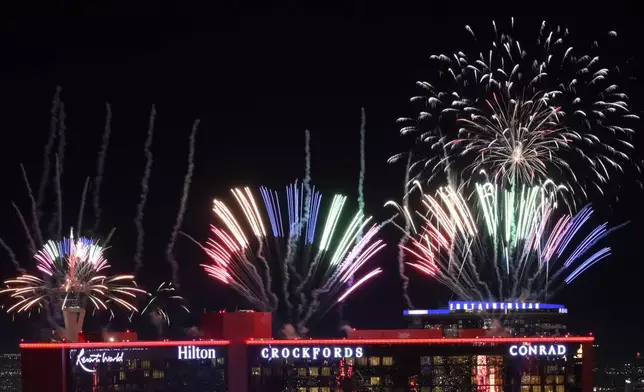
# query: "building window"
(325, 389)
(559, 379)
(158, 374)
(560, 388)
(525, 388)
(387, 361)
(314, 389)
(314, 372)
(362, 361)
(145, 364)
(424, 389)
(301, 372)
(535, 380)
(375, 381)
(548, 388)
(256, 371)
(536, 388)
(374, 361)
(146, 373)
(301, 389)
(220, 361)
(326, 371)
(349, 361)
(121, 376)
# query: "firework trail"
(79, 225)
(34, 208)
(59, 197)
(324, 261)
(73, 272)
(100, 166)
(138, 220)
(363, 130)
(30, 239)
(12, 256)
(182, 206)
(48, 147)
(401, 254)
(502, 244)
(525, 113)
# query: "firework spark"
(165, 298)
(525, 113)
(245, 250)
(501, 244)
(73, 270)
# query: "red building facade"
(237, 354)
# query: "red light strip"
(162, 343)
(566, 339)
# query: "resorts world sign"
(314, 352)
(538, 350)
(88, 361)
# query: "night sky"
(257, 78)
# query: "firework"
(525, 113)
(74, 272)
(315, 255)
(502, 244)
(163, 300)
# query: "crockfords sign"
(311, 352)
(84, 360)
(193, 352)
(538, 349)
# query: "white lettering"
(82, 360)
(296, 352)
(538, 349)
(193, 352)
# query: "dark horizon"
(257, 78)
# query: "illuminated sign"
(311, 352)
(538, 349)
(193, 352)
(102, 357)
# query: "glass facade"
(407, 367)
(148, 369)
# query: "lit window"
(301, 372)
(362, 361)
(314, 372)
(424, 389)
(301, 389)
(525, 379)
(325, 389)
(145, 364)
(387, 361)
(220, 361)
(525, 388)
(536, 388)
(375, 381)
(117, 387)
(314, 389)
(559, 379)
(121, 376)
(560, 388)
(548, 388)
(374, 361)
(256, 371)
(326, 371)
(535, 380)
